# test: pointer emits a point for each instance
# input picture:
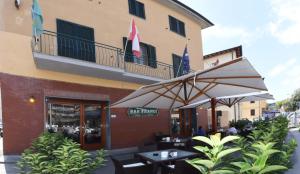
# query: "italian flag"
(135, 38)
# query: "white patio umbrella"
(232, 78)
(231, 100)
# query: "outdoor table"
(179, 143)
(155, 157)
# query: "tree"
(295, 99)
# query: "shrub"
(51, 153)
(255, 161)
(240, 124)
(265, 150)
(215, 154)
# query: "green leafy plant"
(215, 153)
(53, 154)
(240, 124)
(255, 161)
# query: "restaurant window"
(75, 41)
(148, 56)
(177, 68)
(81, 121)
(136, 8)
(252, 112)
(177, 26)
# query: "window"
(75, 41)
(252, 101)
(219, 113)
(148, 54)
(136, 8)
(252, 112)
(177, 26)
(176, 65)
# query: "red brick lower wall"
(24, 121)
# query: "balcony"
(64, 53)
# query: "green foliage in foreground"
(215, 154)
(53, 154)
(264, 151)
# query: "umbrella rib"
(140, 95)
(203, 92)
(166, 96)
(220, 66)
(240, 99)
(221, 101)
(174, 94)
(193, 85)
(176, 97)
(236, 85)
(159, 95)
(231, 77)
(209, 83)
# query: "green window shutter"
(181, 28)
(152, 56)
(140, 10)
(173, 24)
(128, 52)
(176, 64)
(132, 6)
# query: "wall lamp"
(32, 99)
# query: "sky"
(268, 30)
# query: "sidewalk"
(294, 133)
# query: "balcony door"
(82, 121)
(75, 41)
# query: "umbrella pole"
(213, 115)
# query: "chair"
(147, 147)
(180, 167)
(131, 167)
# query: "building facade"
(244, 110)
(66, 79)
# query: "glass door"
(93, 127)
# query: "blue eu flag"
(186, 61)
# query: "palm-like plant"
(215, 153)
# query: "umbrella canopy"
(232, 100)
(231, 78)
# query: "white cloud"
(286, 25)
(282, 68)
(241, 34)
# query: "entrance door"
(93, 127)
(82, 121)
(188, 122)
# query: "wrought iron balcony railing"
(56, 44)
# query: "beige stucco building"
(79, 60)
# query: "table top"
(176, 141)
(155, 156)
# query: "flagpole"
(181, 60)
(127, 42)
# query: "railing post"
(118, 58)
(170, 72)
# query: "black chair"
(180, 167)
(165, 145)
(131, 167)
(147, 147)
